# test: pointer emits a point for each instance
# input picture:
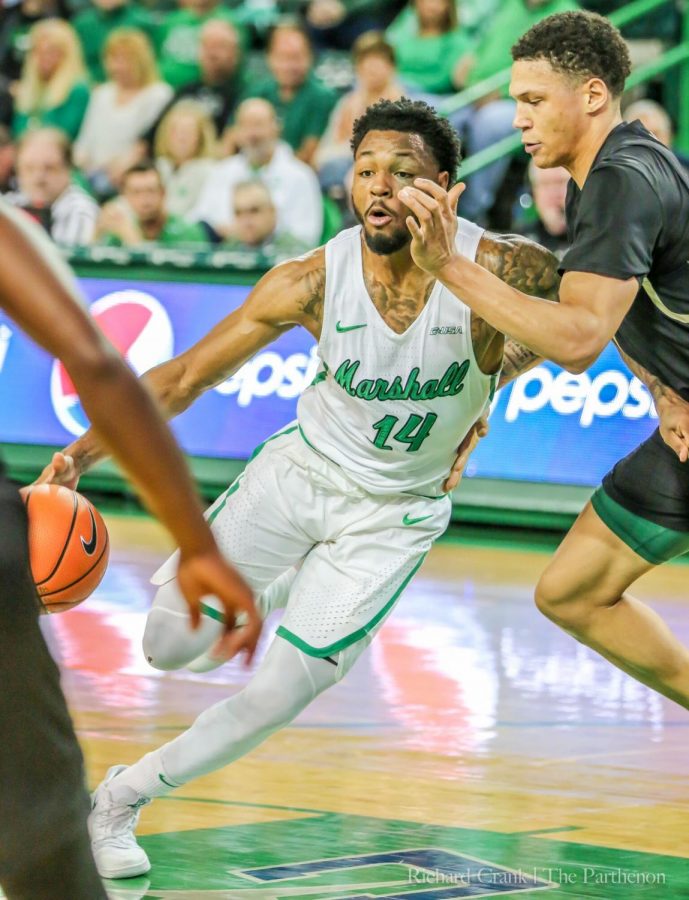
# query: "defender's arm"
(38, 292)
(572, 332)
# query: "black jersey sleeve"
(615, 226)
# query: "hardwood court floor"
(475, 750)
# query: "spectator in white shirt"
(262, 155)
(121, 110)
(255, 224)
(46, 191)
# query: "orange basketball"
(68, 545)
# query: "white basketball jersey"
(389, 408)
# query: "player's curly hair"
(579, 44)
(413, 117)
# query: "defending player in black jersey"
(44, 845)
(626, 277)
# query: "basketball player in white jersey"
(339, 508)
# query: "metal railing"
(675, 56)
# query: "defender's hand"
(674, 426)
(208, 574)
(478, 430)
(433, 226)
(60, 471)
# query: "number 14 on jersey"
(414, 431)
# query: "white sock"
(147, 778)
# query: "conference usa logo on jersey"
(138, 326)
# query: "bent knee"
(169, 642)
(161, 649)
(567, 606)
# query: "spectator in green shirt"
(52, 91)
(512, 19)
(431, 48)
(254, 226)
(476, 16)
(95, 24)
(302, 102)
(180, 36)
(139, 216)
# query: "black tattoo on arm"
(310, 287)
(517, 359)
(521, 263)
(530, 268)
(660, 392)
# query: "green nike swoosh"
(407, 521)
(342, 328)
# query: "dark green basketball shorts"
(644, 500)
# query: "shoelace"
(119, 825)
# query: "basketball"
(68, 545)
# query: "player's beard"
(384, 244)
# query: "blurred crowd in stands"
(198, 123)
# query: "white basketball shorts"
(355, 552)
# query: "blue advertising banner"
(568, 429)
(549, 426)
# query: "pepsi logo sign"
(138, 326)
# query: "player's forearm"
(562, 333)
(126, 420)
(517, 359)
(165, 383)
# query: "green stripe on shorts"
(228, 493)
(212, 612)
(355, 636)
(238, 480)
(278, 434)
(652, 542)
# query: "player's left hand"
(478, 430)
(61, 470)
(433, 225)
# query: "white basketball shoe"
(114, 816)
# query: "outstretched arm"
(572, 332)
(290, 294)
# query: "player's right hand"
(673, 415)
(61, 470)
(207, 574)
(478, 430)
